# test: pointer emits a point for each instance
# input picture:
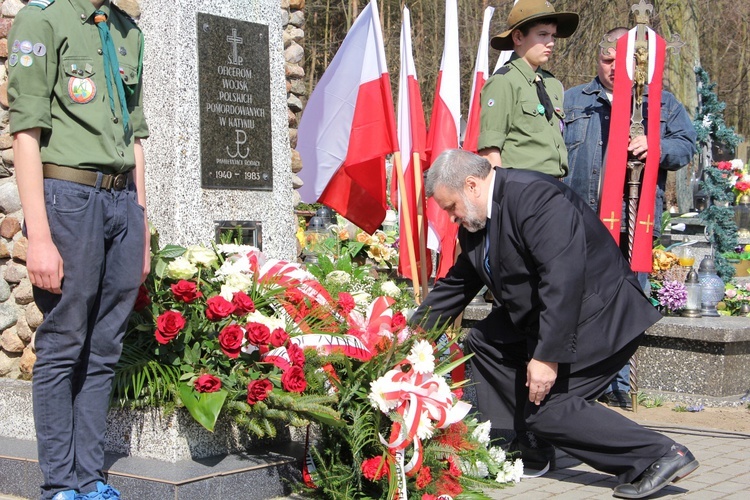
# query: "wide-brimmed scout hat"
(534, 10)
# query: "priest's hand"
(638, 147)
(540, 377)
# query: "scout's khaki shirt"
(56, 82)
(512, 120)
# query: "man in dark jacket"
(568, 313)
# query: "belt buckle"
(120, 181)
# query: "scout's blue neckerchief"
(111, 67)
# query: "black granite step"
(256, 474)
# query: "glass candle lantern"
(712, 287)
(742, 216)
(693, 289)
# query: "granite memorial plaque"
(235, 104)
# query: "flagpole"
(407, 218)
(418, 185)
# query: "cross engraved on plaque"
(234, 57)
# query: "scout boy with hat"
(521, 120)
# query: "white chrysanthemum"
(482, 433)
(425, 428)
(227, 292)
(497, 454)
(200, 255)
(378, 388)
(510, 472)
(421, 357)
(235, 265)
(737, 164)
(478, 469)
(270, 321)
(390, 289)
(361, 298)
(240, 281)
(229, 249)
(181, 269)
(339, 278)
(517, 470)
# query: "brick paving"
(724, 473)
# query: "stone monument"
(215, 99)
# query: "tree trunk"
(679, 17)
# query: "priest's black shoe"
(672, 467)
(620, 399)
(538, 456)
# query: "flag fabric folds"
(348, 127)
(412, 136)
(481, 67)
(443, 134)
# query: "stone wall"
(19, 317)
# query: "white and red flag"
(348, 127)
(412, 134)
(442, 135)
(481, 68)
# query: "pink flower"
(230, 340)
(257, 333)
(724, 165)
(168, 325)
(186, 291)
(218, 308)
(243, 303)
(278, 337)
(207, 383)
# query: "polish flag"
(442, 135)
(411, 137)
(481, 67)
(348, 127)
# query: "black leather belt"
(118, 182)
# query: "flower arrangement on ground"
(738, 176)
(736, 300)
(407, 433)
(226, 330)
(218, 330)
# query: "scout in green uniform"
(74, 88)
(521, 120)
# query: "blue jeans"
(100, 237)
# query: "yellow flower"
(362, 237)
(301, 236)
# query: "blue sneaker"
(103, 492)
(65, 495)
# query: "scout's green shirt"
(513, 121)
(56, 82)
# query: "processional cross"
(640, 75)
